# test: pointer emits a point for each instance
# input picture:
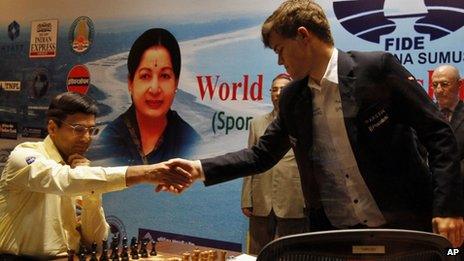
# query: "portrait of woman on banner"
(149, 131)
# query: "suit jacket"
(457, 124)
(277, 189)
(383, 107)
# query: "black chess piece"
(114, 241)
(93, 252)
(124, 254)
(70, 255)
(143, 248)
(93, 256)
(134, 248)
(104, 254)
(82, 252)
(153, 248)
(114, 248)
(82, 256)
(114, 253)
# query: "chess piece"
(134, 248)
(82, 252)
(70, 255)
(104, 254)
(196, 255)
(93, 256)
(213, 255)
(143, 248)
(204, 256)
(93, 252)
(222, 256)
(114, 252)
(186, 256)
(124, 254)
(153, 248)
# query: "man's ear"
(51, 127)
(302, 33)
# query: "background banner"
(49, 47)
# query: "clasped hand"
(182, 168)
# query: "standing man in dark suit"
(350, 119)
(446, 84)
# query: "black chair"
(358, 244)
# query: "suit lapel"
(303, 113)
(346, 81)
(458, 116)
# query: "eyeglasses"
(80, 130)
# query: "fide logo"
(13, 30)
(371, 19)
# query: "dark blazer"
(385, 112)
(457, 124)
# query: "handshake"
(174, 175)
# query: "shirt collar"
(52, 151)
(330, 74)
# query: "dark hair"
(150, 38)
(69, 103)
(292, 14)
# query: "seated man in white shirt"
(42, 181)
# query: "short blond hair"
(291, 15)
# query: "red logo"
(78, 79)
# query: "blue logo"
(13, 30)
(371, 19)
(30, 160)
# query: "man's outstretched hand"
(182, 167)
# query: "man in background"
(273, 200)
(446, 83)
(42, 181)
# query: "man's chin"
(80, 151)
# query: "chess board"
(165, 251)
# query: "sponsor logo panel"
(43, 38)
(81, 35)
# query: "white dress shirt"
(345, 197)
(38, 193)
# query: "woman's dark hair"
(150, 38)
(69, 103)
